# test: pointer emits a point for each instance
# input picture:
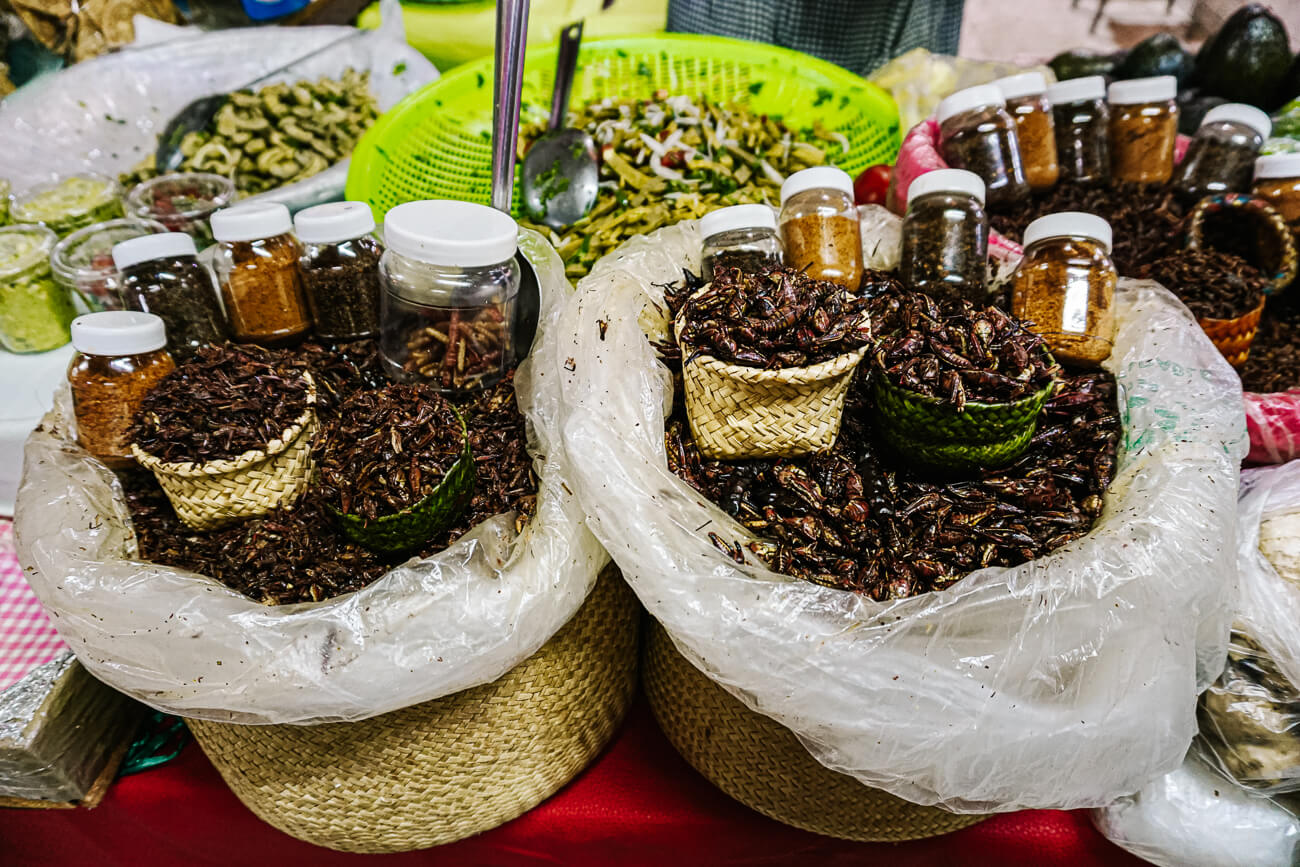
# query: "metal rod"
(511, 41)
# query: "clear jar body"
(1082, 131)
(1035, 131)
(107, 391)
(83, 262)
(1142, 137)
(262, 290)
(70, 204)
(1220, 159)
(984, 141)
(182, 202)
(1065, 289)
(946, 247)
(341, 282)
(35, 311)
(1284, 195)
(822, 235)
(749, 249)
(448, 326)
(181, 292)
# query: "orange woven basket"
(1233, 337)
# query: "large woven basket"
(1233, 337)
(450, 768)
(208, 495)
(746, 412)
(760, 763)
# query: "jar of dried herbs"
(741, 236)
(1064, 288)
(83, 262)
(820, 228)
(161, 274)
(121, 356)
(340, 269)
(257, 265)
(69, 204)
(450, 281)
(1277, 181)
(1081, 125)
(35, 311)
(946, 236)
(1143, 129)
(1221, 157)
(977, 134)
(1026, 97)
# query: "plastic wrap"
(1268, 553)
(1065, 682)
(187, 645)
(105, 115)
(1273, 422)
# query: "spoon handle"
(507, 88)
(566, 62)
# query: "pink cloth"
(27, 638)
(1273, 422)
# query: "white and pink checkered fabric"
(26, 637)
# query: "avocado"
(1161, 54)
(1247, 59)
(1289, 89)
(1080, 63)
(1192, 106)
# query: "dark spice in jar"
(180, 290)
(342, 286)
(1081, 128)
(1213, 284)
(977, 134)
(946, 237)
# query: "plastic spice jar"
(121, 356)
(1221, 157)
(1277, 181)
(1065, 286)
(182, 202)
(340, 269)
(257, 264)
(741, 236)
(161, 274)
(35, 311)
(1026, 97)
(70, 204)
(820, 228)
(450, 282)
(1143, 129)
(946, 236)
(83, 261)
(977, 134)
(1081, 124)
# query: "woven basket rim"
(1246, 201)
(1258, 309)
(1042, 394)
(223, 466)
(828, 369)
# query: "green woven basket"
(932, 433)
(436, 143)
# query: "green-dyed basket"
(931, 432)
(413, 526)
(436, 143)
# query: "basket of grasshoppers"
(767, 360)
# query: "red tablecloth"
(639, 804)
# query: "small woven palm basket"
(746, 412)
(1233, 337)
(208, 495)
(760, 762)
(449, 768)
(1274, 247)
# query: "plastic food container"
(946, 236)
(161, 274)
(1081, 125)
(183, 202)
(1221, 157)
(1277, 181)
(70, 204)
(741, 236)
(1027, 102)
(35, 311)
(257, 264)
(1143, 129)
(820, 228)
(83, 261)
(340, 269)
(977, 133)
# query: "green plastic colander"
(436, 143)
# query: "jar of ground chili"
(946, 236)
(820, 227)
(121, 356)
(1064, 287)
(340, 269)
(1026, 96)
(161, 274)
(450, 281)
(1277, 181)
(257, 265)
(35, 311)
(1143, 129)
(1081, 125)
(741, 236)
(1221, 157)
(977, 134)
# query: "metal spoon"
(560, 168)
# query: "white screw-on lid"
(968, 100)
(1089, 87)
(737, 217)
(1238, 112)
(1277, 166)
(1024, 84)
(146, 248)
(118, 332)
(336, 221)
(445, 232)
(1158, 88)
(947, 181)
(816, 178)
(1067, 224)
(251, 222)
